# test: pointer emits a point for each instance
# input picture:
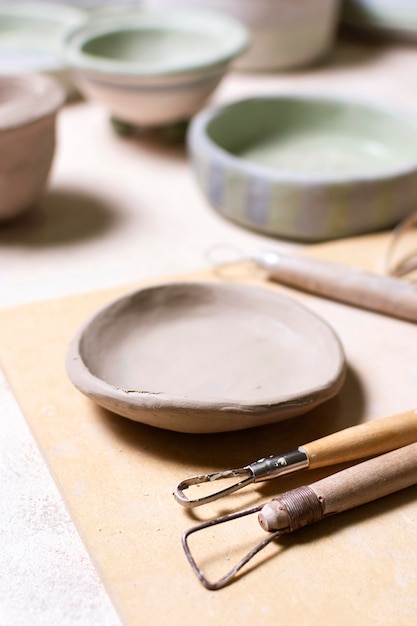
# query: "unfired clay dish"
(206, 357)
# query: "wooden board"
(117, 478)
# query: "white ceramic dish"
(285, 34)
(206, 357)
(28, 110)
(32, 36)
(150, 67)
(382, 19)
(307, 168)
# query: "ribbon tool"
(290, 511)
(350, 444)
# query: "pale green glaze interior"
(315, 136)
(31, 24)
(154, 43)
(153, 46)
(28, 39)
(31, 37)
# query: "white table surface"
(117, 211)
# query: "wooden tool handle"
(368, 480)
(344, 490)
(364, 440)
(387, 295)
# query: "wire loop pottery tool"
(383, 294)
(292, 510)
(387, 294)
(350, 444)
(401, 265)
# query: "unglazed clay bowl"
(285, 34)
(206, 357)
(153, 68)
(28, 109)
(32, 36)
(306, 168)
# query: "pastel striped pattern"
(308, 212)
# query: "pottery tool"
(387, 294)
(407, 262)
(349, 444)
(352, 487)
(383, 294)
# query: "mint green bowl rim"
(199, 142)
(66, 14)
(235, 37)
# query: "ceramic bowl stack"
(32, 36)
(154, 67)
(306, 168)
(285, 33)
(28, 109)
(382, 19)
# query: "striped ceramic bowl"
(306, 168)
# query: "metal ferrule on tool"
(363, 440)
(278, 465)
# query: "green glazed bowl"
(153, 67)
(306, 168)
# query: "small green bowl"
(306, 168)
(153, 67)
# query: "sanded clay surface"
(117, 478)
